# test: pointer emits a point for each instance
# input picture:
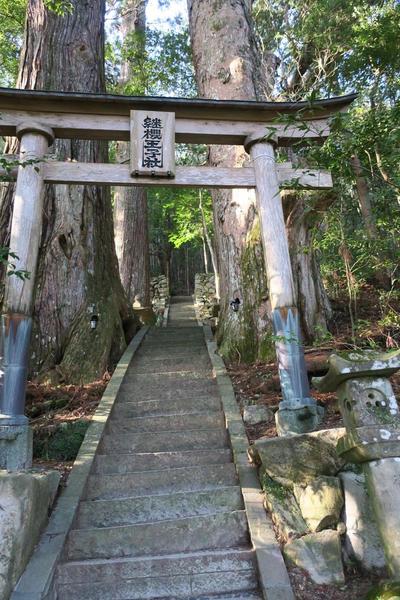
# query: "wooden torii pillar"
(16, 321)
(298, 412)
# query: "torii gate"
(37, 118)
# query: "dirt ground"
(258, 383)
(356, 587)
(48, 406)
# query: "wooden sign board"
(152, 143)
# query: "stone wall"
(320, 506)
(204, 295)
(159, 294)
(25, 500)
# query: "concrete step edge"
(204, 413)
(238, 581)
(160, 523)
(169, 431)
(219, 530)
(189, 469)
(158, 481)
(118, 403)
(160, 507)
(159, 422)
(213, 553)
(149, 461)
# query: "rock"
(341, 528)
(204, 294)
(284, 510)
(25, 499)
(319, 554)
(320, 502)
(388, 590)
(253, 415)
(146, 315)
(299, 458)
(362, 541)
(383, 485)
(290, 421)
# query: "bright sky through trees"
(159, 14)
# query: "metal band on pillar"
(298, 411)
(26, 229)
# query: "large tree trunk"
(130, 203)
(78, 271)
(312, 300)
(226, 66)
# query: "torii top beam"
(106, 116)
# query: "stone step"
(125, 463)
(158, 347)
(175, 422)
(183, 336)
(222, 530)
(145, 509)
(169, 351)
(192, 563)
(136, 484)
(124, 408)
(167, 379)
(164, 441)
(199, 364)
(185, 587)
(245, 595)
(183, 322)
(195, 331)
(144, 382)
(133, 389)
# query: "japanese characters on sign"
(152, 143)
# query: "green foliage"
(333, 47)
(322, 336)
(62, 444)
(164, 68)
(59, 7)
(273, 488)
(384, 591)
(175, 216)
(330, 45)
(5, 256)
(12, 18)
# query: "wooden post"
(26, 230)
(298, 411)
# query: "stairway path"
(163, 515)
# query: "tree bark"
(364, 200)
(210, 248)
(312, 300)
(130, 203)
(77, 271)
(205, 256)
(227, 67)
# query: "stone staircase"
(163, 516)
